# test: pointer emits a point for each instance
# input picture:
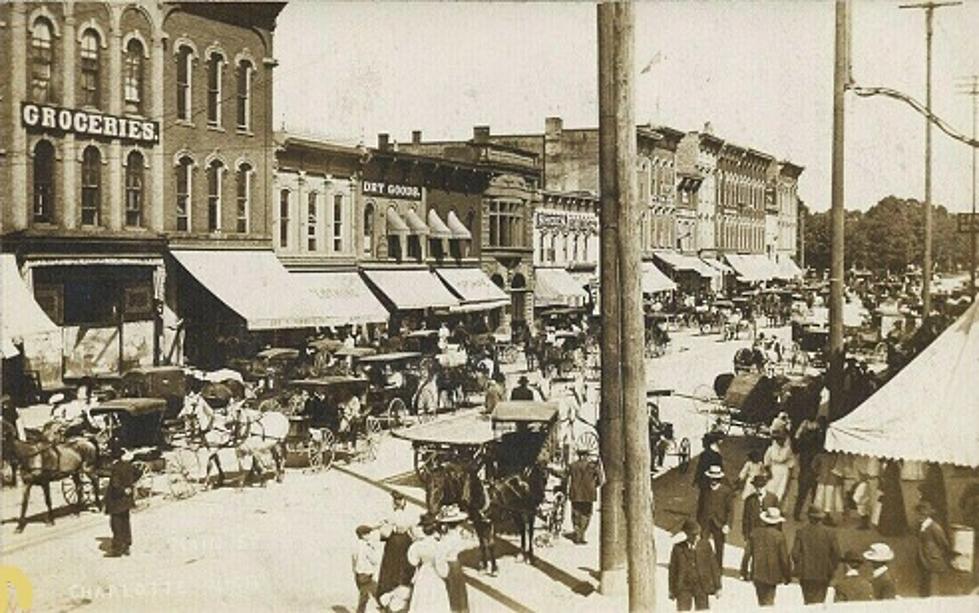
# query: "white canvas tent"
(929, 411)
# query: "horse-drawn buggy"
(395, 380)
(657, 338)
(751, 401)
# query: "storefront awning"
(415, 223)
(437, 226)
(475, 290)
(396, 225)
(459, 229)
(256, 286)
(344, 297)
(412, 289)
(20, 315)
(787, 269)
(556, 287)
(679, 261)
(751, 268)
(653, 280)
(718, 265)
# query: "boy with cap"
(815, 556)
(715, 513)
(119, 500)
(694, 574)
(852, 587)
(769, 556)
(365, 560)
(882, 583)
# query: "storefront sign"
(562, 221)
(88, 123)
(392, 190)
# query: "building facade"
(697, 156)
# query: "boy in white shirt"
(364, 561)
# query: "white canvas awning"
(20, 315)
(256, 286)
(752, 268)
(408, 290)
(437, 226)
(653, 280)
(787, 269)
(344, 297)
(679, 261)
(929, 411)
(556, 287)
(475, 290)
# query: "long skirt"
(829, 498)
(455, 583)
(395, 569)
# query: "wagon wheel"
(555, 520)
(395, 413)
(270, 404)
(327, 450)
(425, 461)
(183, 468)
(372, 426)
(587, 441)
(143, 488)
(75, 496)
(880, 353)
(683, 454)
(314, 451)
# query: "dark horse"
(43, 462)
(491, 500)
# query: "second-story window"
(43, 182)
(133, 77)
(215, 66)
(312, 218)
(184, 92)
(284, 219)
(244, 95)
(134, 189)
(91, 186)
(91, 68)
(338, 222)
(184, 183)
(42, 60)
(368, 229)
(214, 172)
(505, 224)
(243, 203)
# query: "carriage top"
(278, 353)
(477, 429)
(356, 352)
(135, 407)
(327, 381)
(385, 358)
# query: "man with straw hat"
(852, 587)
(769, 556)
(716, 510)
(815, 556)
(882, 583)
(452, 543)
(694, 574)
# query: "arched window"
(185, 66)
(91, 186)
(214, 172)
(134, 189)
(338, 222)
(215, 64)
(133, 76)
(184, 186)
(244, 107)
(42, 60)
(369, 228)
(244, 197)
(284, 219)
(91, 68)
(43, 182)
(312, 220)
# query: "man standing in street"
(522, 391)
(933, 549)
(852, 587)
(119, 501)
(809, 440)
(751, 516)
(815, 556)
(879, 555)
(715, 514)
(769, 557)
(694, 574)
(585, 476)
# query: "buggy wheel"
(373, 437)
(314, 455)
(880, 352)
(683, 455)
(555, 520)
(396, 412)
(75, 496)
(588, 441)
(425, 460)
(327, 450)
(143, 488)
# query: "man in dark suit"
(751, 516)
(769, 557)
(522, 391)
(715, 512)
(585, 477)
(882, 583)
(119, 501)
(815, 556)
(694, 574)
(934, 552)
(710, 456)
(852, 587)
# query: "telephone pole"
(971, 88)
(837, 209)
(929, 8)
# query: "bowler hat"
(853, 556)
(924, 507)
(879, 552)
(523, 380)
(691, 527)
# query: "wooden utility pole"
(617, 157)
(837, 213)
(972, 89)
(612, 548)
(929, 8)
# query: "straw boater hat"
(451, 514)
(714, 472)
(772, 516)
(879, 552)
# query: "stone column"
(18, 158)
(157, 166)
(69, 155)
(113, 99)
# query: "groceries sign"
(88, 123)
(392, 190)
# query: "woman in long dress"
(395, 570)
(829, 485)
(893, 517)
(780, 460)
(452, 544)
(429, 594)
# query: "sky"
(761, 73)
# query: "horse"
(44, 462)
(457, 483)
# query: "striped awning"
(415, 223)
(396, 225)
(556, 287)
(459, 229)
(437, 226)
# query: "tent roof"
(929, 411)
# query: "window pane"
(183, 83)
(133, 77)
(368, 229)
(43, 182)
(214, 89)
(312, 215)
(284, 218)
(91, 186)
(214, 196)
(244, 192)
(244, 78)
(41, 60)
(134, 189)
(338, 222)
